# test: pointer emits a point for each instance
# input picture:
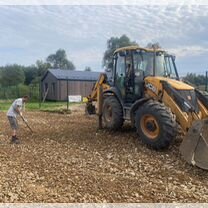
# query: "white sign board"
(75, 98)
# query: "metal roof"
(74, 75)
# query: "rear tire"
(112, 113)
(155, 125)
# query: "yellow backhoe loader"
(144, 88)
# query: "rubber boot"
(15, 140)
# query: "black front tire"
(112, 113)
(159, 132)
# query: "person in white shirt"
(15, 110)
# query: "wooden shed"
(57, 84)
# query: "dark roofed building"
(54, 83)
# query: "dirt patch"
(59, 111)
(69, 160)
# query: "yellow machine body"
(154, 89)
(188, 106)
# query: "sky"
(30, 33)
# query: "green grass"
(47, 106)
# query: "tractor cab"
(133, 64)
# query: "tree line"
(195, 79)
(13, 75)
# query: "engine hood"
(178, 85)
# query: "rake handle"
(26, 124)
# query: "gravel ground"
(68, 159)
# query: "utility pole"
(206, 85)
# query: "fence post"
(4, 92)
(40, 97)
(30, 92)
(206, 85)
(67, 93)
(17, 91)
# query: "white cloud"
(29, 33)
(188, 51)
(88, 57)
(103, 2)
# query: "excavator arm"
(100, 86)
(194, 147)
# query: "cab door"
(129, 82)
(139, 64)
(120, 74)
(124, 75)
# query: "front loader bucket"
(194, 147)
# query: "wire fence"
(12, 92)
(9, 94)
(33, 91)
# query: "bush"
(23, 90)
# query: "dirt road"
(69, 160)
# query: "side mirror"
(174, 58)
(108, 70)
(140, 73)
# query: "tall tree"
(42, 67)
(112, 44)
(12, 75)
(153, 45)
(31, 72)
(87, 68)
(59, 60)
(195, 79)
